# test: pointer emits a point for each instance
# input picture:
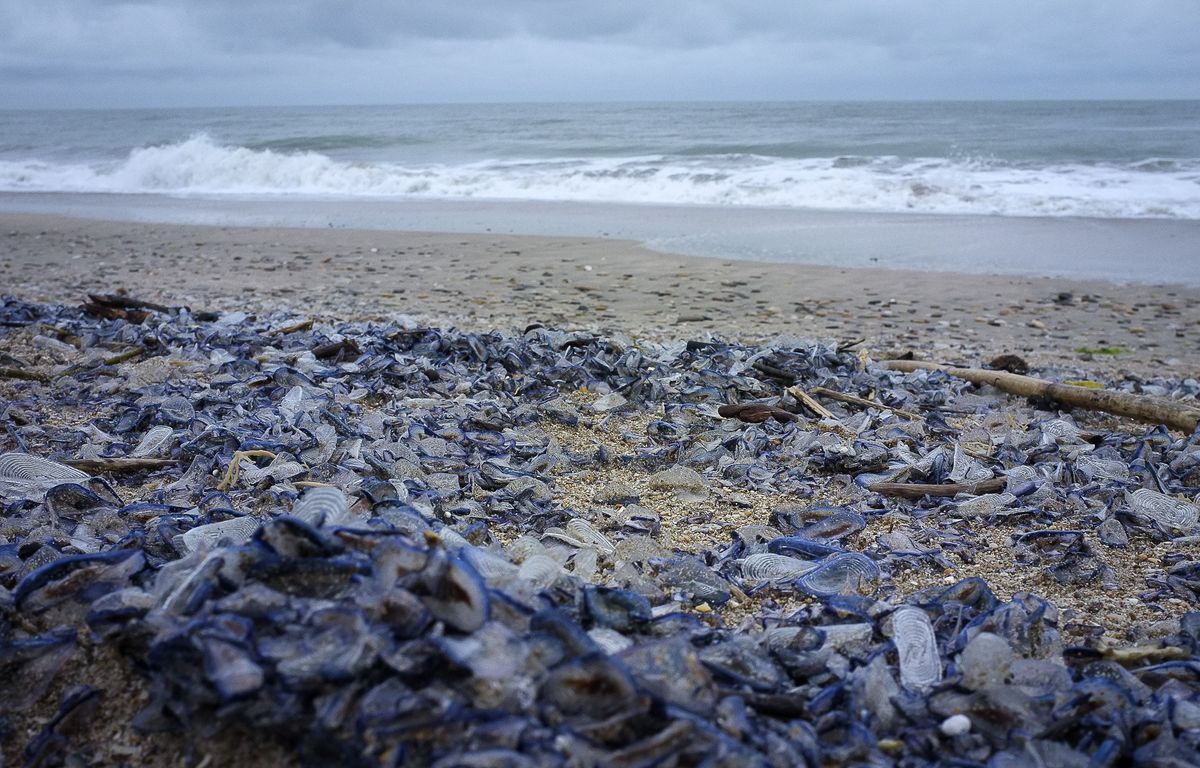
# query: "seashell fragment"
(585, 562)
(1167, 512)
(524, 548)
(1093, 468)
(540, 570)
(770, 567)
(920, 664)
(845, 573)
(955, 725)
(492, 567)
(177, 410)
(236, 530)
(835, 527)
(586, 533)
(278, 471)
(985, 505)
(25, 473)
(323, 506)
(153, 443)
(609, 402)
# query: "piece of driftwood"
(810, 403)
(122, 357)
(125, 302)
(344, 349)
(62, 334)
(303, 325)
(22, 373)
(920, 490)
(774, 372)
(863, 402)
(107, 312)
(756, 413)
(117, 306)
(1140, 407)
(118, 465)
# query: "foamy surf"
(1147, 188)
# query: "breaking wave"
(1149, 188)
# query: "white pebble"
(956, 725)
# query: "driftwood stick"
(22, 373)
(303, 325)
(346, 348)
(810, 403)
(120, 465)
(1142, 408)
(125, 302)
(863, 402)
(61, 333)
(919, 490)
(756, 413)
(122, 357)
(774, 372)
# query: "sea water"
(770, 173)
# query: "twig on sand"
(346, 348)
(119, 465)
(303, 325)
(121, 357)
(774, 372)
(62, 334)
(756, 413)
(116, 306)
(810, 403)
(862, 402)
(920, 490)
(125, 302)
(1142, 408)
(22, 373)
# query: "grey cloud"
(269, 50)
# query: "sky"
(173, 53)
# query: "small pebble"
(956, 725)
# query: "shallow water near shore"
(1118, 250)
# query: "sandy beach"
(493, 281)
(1065, 329)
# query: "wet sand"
(505, 281)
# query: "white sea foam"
(1151, 188)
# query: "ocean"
(595, 169)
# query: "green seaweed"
(1100, 350)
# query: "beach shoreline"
(486, 281)
(317, 282)
(1121, 250)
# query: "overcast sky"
(95, 53)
